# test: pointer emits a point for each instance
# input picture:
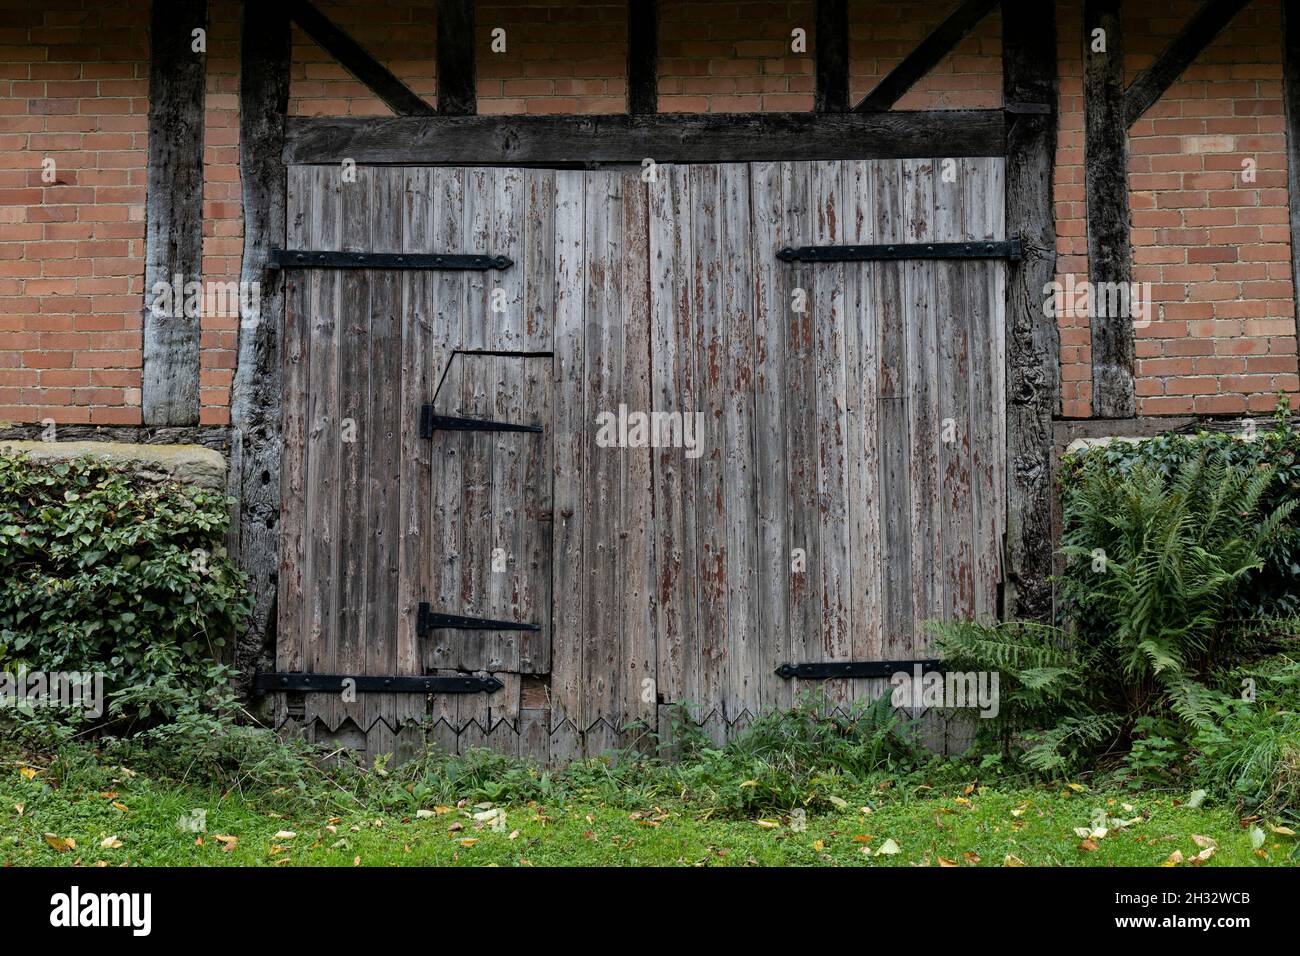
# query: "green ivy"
(104, 571)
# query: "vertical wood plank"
(322, 477)
(772, 305)
(384, 470)
(569, 446)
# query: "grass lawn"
(136, 823)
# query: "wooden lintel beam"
(1149, 85)
(457, 73)
(354, 58)
(642, 57)
(831, 46)
(664, 137)
(926, 56)
(1032, 339)
(173, 213)
(1110, 253)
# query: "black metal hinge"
(821, 670)
(429, 620)
(431, 422)
(365, 684)
(302, 259)
(1001, 249)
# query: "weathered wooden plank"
(941, 41)
(1033, 358)
(736, 277)
(831, 49)
(894, 476)
(536, 516)
(922, 398)
(709, 343)
(1198, 33)
(385, 466)
(322, 478)
(673, 367)
(863, 423)
(637, 657)
(642, 56)
(421, 357)
(1110, 253)
(982, 199)
(446, 505)
(291, 623)
(353, 58)
(537, 263)
(570, 453)
(256, 391)
(457, 79)
(953, 310)
(802, 515)
(173, 245)
(772, 305)
(358, 439)
(667, 137)
(830, 399)
(602, 493)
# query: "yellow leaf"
(118, 804)
(1284, 831)
(1174, 858)
(971, 857)
(228, 843)
(62, 844)
(285, 835)
(945, 862)
(961, 800)
(1077, 787)
(819, 845)
(1012, 860)
(110, 843)
(766, 824)
(862, 838)
(28, 773)
(356, 861)
(468, 841)
(889, 848)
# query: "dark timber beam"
(1110, 254)
(642, 56)
(1291, 100)
(353, 58)
(1149, 85)
(1032, 342)
(831, 46)
(173, 212)
(255, 394)
(457, 76)
(925, 57)
(668, 137)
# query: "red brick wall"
(74, 86)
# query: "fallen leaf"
(945, 862)
(1174, 858)
(1204, 842)
(1196, 798)
(1257, 837)
(1089, 844)
(839, 802)
(62, 844)
(424, 814)
(1282, 831)
(469, 841)
(888, 848)
(971, 857)
(1077, 787)
(28, 773)
(119, 805)
(766, 824)
(110, 843)
(1012, 860)
(228, 843)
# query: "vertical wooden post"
(1032, 340)
(642, 56)
(1291, 98)
(255, 394)
(457, 83)
(173, 212)
(831, 46)
(1110, 254)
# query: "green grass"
(1034, 826)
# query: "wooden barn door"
(851, 483)
(845, 485)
